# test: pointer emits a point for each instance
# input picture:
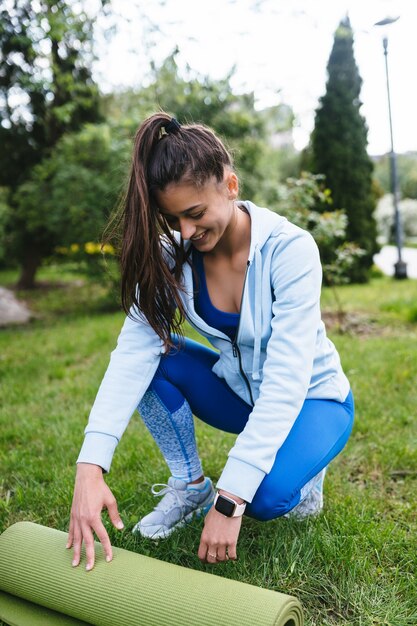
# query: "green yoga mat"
(40, 588)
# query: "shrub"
(304, 201)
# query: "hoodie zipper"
(236, 353)
(235, 347)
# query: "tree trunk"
(30, 266)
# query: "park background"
(76, 80)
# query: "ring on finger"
(213, 556)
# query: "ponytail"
(164, 152)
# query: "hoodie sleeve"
(132, 366)
(296, 282)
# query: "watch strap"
(239, 509)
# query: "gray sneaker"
(311, 502)
(180, 503)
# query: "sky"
(280, 49)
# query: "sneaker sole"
(163, 534)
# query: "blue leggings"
(184, 384)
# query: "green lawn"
(356, 564)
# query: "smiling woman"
(249, 281)
(210, 213)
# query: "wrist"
(228, 506)
(237, 499)
(89, 469)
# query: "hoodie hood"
(264, 224)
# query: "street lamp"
(400, 267)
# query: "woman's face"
(202, 215)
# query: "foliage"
(56, 202)
(192, 98)
(308, 203)
(46, 90)
(95, 260)
(46, 87)
(277, 165)
(70, 194)
(338, 146)
(407, 174)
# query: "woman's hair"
(150, 275)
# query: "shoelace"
(167, 490)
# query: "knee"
(269, 504)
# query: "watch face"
(225, 506)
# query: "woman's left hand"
(219, 537)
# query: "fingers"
(219, 538)
(216, 553)
(221, 554)
(79, 535)
(211, 556)
(70, 536)
(89, 546)
(85, 534)
(202, 550)
(115, 518)
(231, 552)
(206, 553)
(77, 542)
(91, 496)
(104, 540)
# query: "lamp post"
(400, 267)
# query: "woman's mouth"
(199, 237)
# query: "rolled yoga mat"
(40, 588)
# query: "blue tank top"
(224, 321)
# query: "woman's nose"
(187, 229)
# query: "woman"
(249, 281)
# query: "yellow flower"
(74, 247)
(91, 248)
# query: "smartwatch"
(228, 507)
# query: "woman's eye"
(196, 217)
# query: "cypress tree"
(339, 142)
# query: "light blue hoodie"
(281, 355)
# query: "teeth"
(199, 237)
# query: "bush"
(304, 201)
(95, 260)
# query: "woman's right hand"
(91, 496)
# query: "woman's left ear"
(232, 183)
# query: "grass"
(355, 564)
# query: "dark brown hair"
(150, 276)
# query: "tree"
(339, 142)
(193, 98)
(70, 194)
(46, 90)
